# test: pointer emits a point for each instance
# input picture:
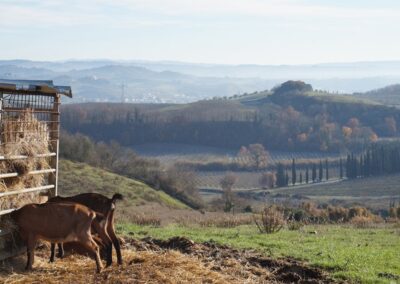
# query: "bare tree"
(258, 155)
(254, 155)
(227, 183)
(267, 180)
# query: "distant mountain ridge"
(179, 82)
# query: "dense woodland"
(291, 117)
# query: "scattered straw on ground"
(140, 267)
(177, 260)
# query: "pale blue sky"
(208, 31)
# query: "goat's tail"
(116, 197)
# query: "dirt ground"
(177, 260)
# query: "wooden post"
(1, 114)
(54, 137)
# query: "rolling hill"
(75, 178)
(389, 95)
(291, 117)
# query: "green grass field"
(357, 255)
(77, 178)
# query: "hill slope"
(389, 95)
(75, 178)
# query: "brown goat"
(76, 247)
(56, 222)
(105, 206)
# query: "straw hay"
(177, 260)
(23, 135)
(140, 267)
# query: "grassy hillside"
(77, 178)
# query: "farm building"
(29, 143)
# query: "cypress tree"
(301, 178)
(353, 166)
(320, 171)
(326, 170)
(280, 176)
(382, 166)
(341, 168)
(307, 176)
(348, 167)
(286, 179)
(367, 162)
(293, 172)
(314, 172)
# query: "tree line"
(379, 159)
(313, 172)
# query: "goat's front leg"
(30, 252)
(52, 251)
(60, 250)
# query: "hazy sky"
(209, 31)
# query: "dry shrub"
(364, 222)
(337, 214)
(394, 212)
(144, 219)
(226, 221)
(315, 214)
(270, 220)
(361, 222)
(294, 225)
(214, 219)
(359, 212)
(27, 136)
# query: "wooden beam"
(26, 190)
(34, 110)
(36, 172)
(55, 145)
(17, 157)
